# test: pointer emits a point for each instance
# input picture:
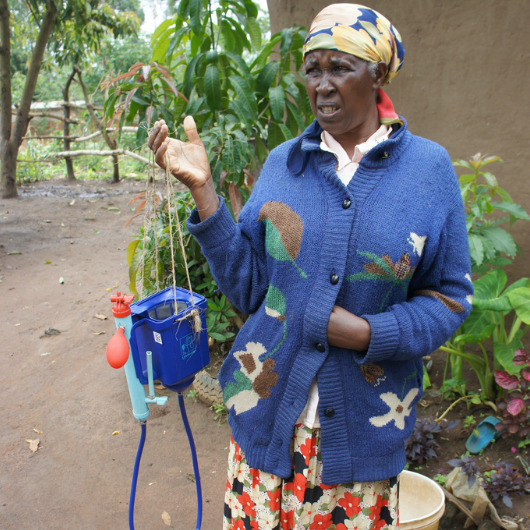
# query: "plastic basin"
(421, 502)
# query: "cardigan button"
(346, 203)
(320, 347)
(329, 413)
(385, 155)
(334, 279)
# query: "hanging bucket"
(178, 351)
(421, 502)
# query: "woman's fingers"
(158, 135)
(191, 130)
(160, 155)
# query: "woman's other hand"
(188, 162)
(345, 330)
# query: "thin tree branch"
(110, 142)
(86, 152)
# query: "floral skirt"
(256, 500)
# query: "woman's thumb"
(190, 128)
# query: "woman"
(351, 257)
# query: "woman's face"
(341, 89)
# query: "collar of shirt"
(331, 145)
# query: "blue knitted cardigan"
(390, 247)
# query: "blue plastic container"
(178, 352)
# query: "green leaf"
(494, 304)
(217, 336)
(462, 163)
(476, 249)
(254, 30)
(296, 114)
(426, 379)
(242, 113)
(160, 50)
(504, 195)
(241, 65)
(520, 300)
(475, 338)
(189, 74)
(277, 103)
(131, 250)
(266, 77)
(491, 180)
(245, 95)
(523, 282)
(262, 58)
(195, 16)
(231, 156)
(161, 28)
(504, 355)
(287, 38)
(513, 209)
(465, 179)
(502, 241)
(490, 285)
(212, 87)
(278, 133)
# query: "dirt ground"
(62, 386)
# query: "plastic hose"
(135, 476)
(194, 459)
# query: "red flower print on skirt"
(257, 500)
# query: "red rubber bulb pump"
(118, 349)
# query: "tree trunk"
(111, 142)
(11, 137)
(66, 127)
(8, 168)
(8, 165)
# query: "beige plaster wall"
(465, 82)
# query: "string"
(168, 194)
(146, 225)
(194, 314)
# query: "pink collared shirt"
(346, 168)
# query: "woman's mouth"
(328, 110)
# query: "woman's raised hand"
(188, 161)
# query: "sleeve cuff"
(384, 339)
(213, 231)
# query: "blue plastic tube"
(135, 476)
(194, 459)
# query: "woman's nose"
(325, 86)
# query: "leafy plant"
(503, 480)
(469, 421)
(150, 264)
(441, 479)
(209, 62)
(499, 481)
(421, 444)
(493, 306)
(515, 407)
(491, 246)
(221, 412)
(488, 242)
(469, 466)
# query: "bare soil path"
(62, 386)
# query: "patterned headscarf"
(359, 31)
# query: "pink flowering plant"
(515, 407)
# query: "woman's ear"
(380, 75)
